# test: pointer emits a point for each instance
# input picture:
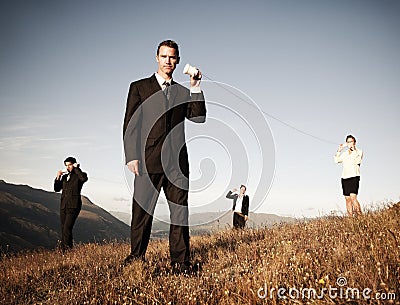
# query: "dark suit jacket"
(71, 189)
(245, 202)
(154, 130)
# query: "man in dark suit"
(240, 207)
(155, 151)
(70, 182)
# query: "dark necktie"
(166, 84)
(166, 90)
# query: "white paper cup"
(188, 69)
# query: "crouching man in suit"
(70, 182)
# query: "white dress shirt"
(238, 206)
(351, 162)
(162, 81)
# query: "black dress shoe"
(186, 268)
(132, 258)
(62, 247)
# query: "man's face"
(242, 189)
(69, 166)
(167, 60)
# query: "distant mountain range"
(208, 222)
(29, 219)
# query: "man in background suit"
(240, 206)
(70, 182)
(155, 151)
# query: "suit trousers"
(146, 192)
(68, 218)
(238, 221)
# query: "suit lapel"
(154, 86)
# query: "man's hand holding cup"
(195, 75)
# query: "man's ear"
(157, 58)
(177, 60)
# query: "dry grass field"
(329, 260)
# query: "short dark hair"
(351, 137)
(169, 43)
(70, 159)
(245, 188)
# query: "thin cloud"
(18, 143)
(20, 172)
(65, 139)
(18, 123)
(121, 199)
(14, 143)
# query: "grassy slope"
(314, 254)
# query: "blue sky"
(328, 68)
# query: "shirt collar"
(161, 80)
